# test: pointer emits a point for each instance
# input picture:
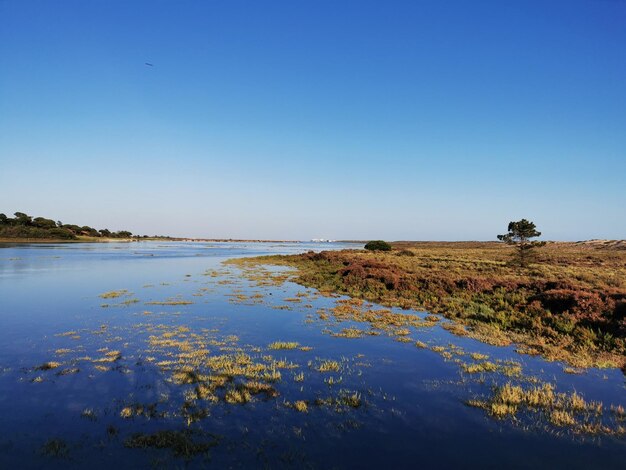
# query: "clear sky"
(299, 119)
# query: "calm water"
(411, 409)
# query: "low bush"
(378, 245)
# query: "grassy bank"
(570, 305)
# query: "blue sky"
(299, 119)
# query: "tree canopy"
(25, 226)
(520, 234)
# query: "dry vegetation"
(569, 305)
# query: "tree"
(520, 234)
(22, 219)
(123, 234)
(42, 222)
(378, 245)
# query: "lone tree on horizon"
(520, 234)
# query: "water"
(411, 402)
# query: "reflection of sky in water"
(413, 415)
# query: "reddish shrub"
(582, 305)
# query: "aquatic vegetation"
(455, 328)
(485, 366)
(169, 302)
(403, 339)
(138, 409)
(48, 365)
(351, 399)
(350, 333)
(57, 448)
(301, 406)
(330, 381)
(114, 294)
(344, 400)
(283, 345)
(109, 356)
(237, 395)
(562, 418)
(284, 364)
(328, 366)
(619, 411)
(478, 356)
(89, 413)
(181, 443)
(542, 403)
(67, 333)
(256, 387)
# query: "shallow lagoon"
(81, 376)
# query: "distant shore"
(82, 239)
(232, 240)
(78, 240)
(595, 243)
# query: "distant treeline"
(25, 226)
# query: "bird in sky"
(149, 64)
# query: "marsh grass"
(170, 302)
(344, 400)
(480, 367)
(109, 357)
(114, 294)
(478, 356)
(138, 409)
(301, 406)
(350, 333)
(351, 399)
(68, 371)
(542, 404)
(283, 345)
(48, 365)
(328, 365)
(237, 395)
